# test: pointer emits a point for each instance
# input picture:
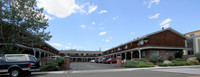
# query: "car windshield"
(32, 58)
(16, 58)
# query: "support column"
(116, 55)
(40, 55)
(131, 55)
(139, 53)
(34, 52)
(44, 55)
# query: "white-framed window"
(126, 46)
(118, 49)
(143, 54)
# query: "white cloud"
(83, 26)
(153, 1)
(93, 23)
(154, 16)
(165, 26)
(101, 28)
(166, 21)
(64, 8)
(67, 47)
(69, 44)
(103, 11)
(107, 39)
(56, 44)
(116, 17)
(133, 33)
(102, 33)
(92, 8)
(59, 8)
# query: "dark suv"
(17, 64)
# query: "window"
(111, 50)
(32, 58)
(125, 46)
(191, 35)
(84, 54)
(16, 58)
(1, 57)
(143, 54)
(167, 53)
(118, 49)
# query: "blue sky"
(95, 24)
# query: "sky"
(103, 24)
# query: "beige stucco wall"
(197, 45)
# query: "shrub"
(197, 55)
(145, 64)
(161, 64)
(154, 58)
(179, 59)
(131, 64)
(178, 63)
(179, 54)
(170, 58)
(161, 60)
(53, 65)
(193, 63)
(142, 60)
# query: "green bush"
(154, 58)
(161, 64)
(178, 63)
(131, 64)
(142, 60)
(161, 60)
(170, 58)
(193, 63)
(179, 59)
(53, 65)
(197, 55)
(179, 54)
(145, 64)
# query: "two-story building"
(164, 43)
(81, 56)
(193, 42)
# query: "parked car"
(111, 60)
(92, 61)
(18, 64)
(100, 60)
(105, 59)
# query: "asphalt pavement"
(110, 70)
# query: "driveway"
(92, 66)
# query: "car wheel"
(15, 72)
(27, 73)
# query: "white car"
(92, 61)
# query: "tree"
(22, 21)
(153, 58)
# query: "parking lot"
(92, 66)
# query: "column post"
(139, 53)
(131, 55)
(40, 55)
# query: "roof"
(94, 52)
(192, 32)
(143, 37)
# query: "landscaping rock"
(192, 59)
(167, 62)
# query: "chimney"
(163, 28)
